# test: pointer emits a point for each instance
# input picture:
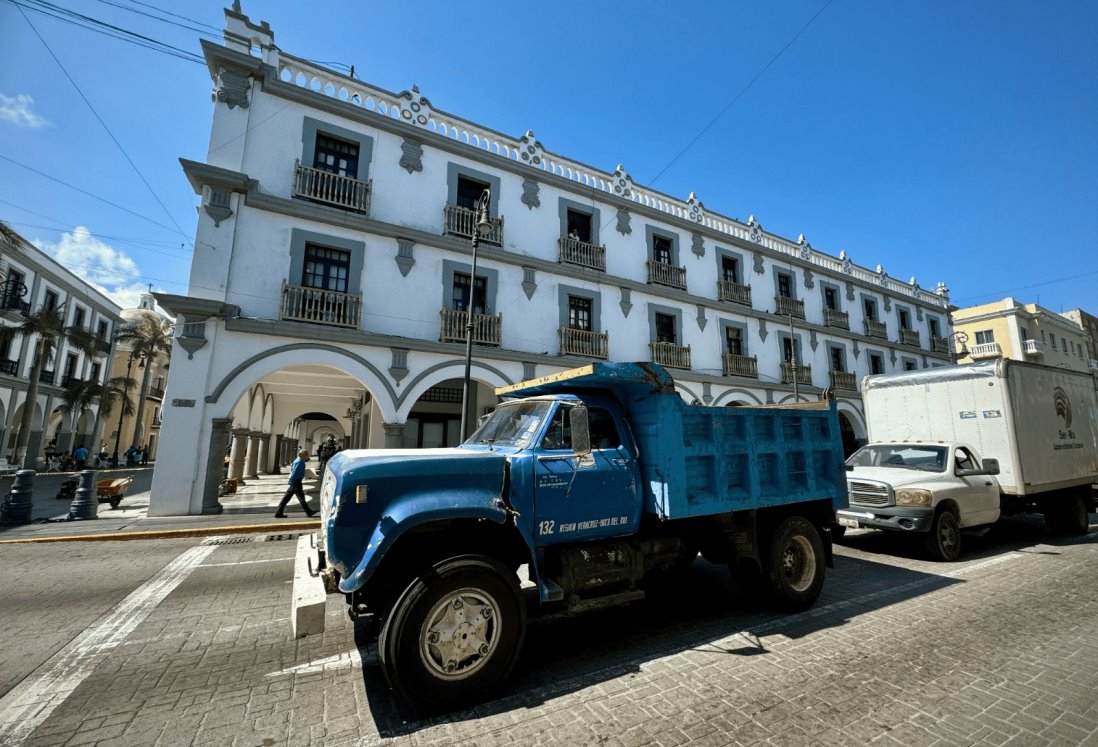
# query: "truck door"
(982, 504)
(577, 499)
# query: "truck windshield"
(900, 456)
(512, 424)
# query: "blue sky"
(952, 141)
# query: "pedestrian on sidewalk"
(81, 458)
(297, 474)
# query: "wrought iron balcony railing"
(665, 274)
(11, 368)
(584, 342)
(909, 337)
(843, 380)
(876, 329)
(734, 292)
(156, 392)
(68, 380)
(576, 252)
(487, 328)
(804, 373)
(101, 346)
(331, 189)
(670, 355)
(835, 318)
(787, 306)
(741, 365)
(300, 303)
(939, 344)
(462, 221)
(46, 377)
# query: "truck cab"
(934, 488)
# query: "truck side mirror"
(991, 466)
(581, 430)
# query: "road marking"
(347, 660)
(244, 562)
(32, 701)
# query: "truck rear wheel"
(943, 541)
(796, 568)
(455, 632)
(1068, 514)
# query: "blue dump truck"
(590, 480)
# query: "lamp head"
(484, 223)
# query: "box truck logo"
(1063, 406)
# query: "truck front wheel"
(796, 568)
(943, 541)
(454, 633)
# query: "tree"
(81, 395)
(47, 328)
(149, 337)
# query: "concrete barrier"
(309, 597)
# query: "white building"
(331, 279)
(30, 280)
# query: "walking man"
(297, 474)
(81, 458)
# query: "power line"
(215, 29)
(195, 28)
(104, 125)
(1008, 291)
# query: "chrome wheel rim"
(798, 563)
(460, 634)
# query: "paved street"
(46, 503)
(188, 641)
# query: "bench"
(112, 491)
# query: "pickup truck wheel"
(1068, 515)
(454, 633)
(943, 541)
(796, 564)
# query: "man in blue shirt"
(81, 458)
(297, 474)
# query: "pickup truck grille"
(870, 493)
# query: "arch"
(789, 398)
(235, 383)
(267, 421)
(686, 393)
(321, 431)
(738, 394)
(255, 407)
(852, 427)
(436, 374)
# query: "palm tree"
(47, 328)
(150, 336)
(81, 395)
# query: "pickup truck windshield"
(512, 424)
(900, 456)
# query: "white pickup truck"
(955, 448)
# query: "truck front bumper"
(915, 519)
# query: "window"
(326, 268)
(661, 250)
(985, 337)
(336, 156)
(579, 313)
(97, 368)
(935, 328)
(831, 299)
(905, 319)
(78, 317)
(785, 285)
(469, 192)
(789, 347)
(869, 307)
(876, 363)
(579, 225)
(910, 365)
(461, 293)
(604, 431)
(733, 339)
(964, 459)
(559, 433)
(665, 328)
(49, 301)
(730, 270)
(70, 366)
(1052, 340)
(101, 330)
(838, 359)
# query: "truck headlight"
(913, 497)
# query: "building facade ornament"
(529, 281)
(217, 205)
(529, 370)
(695, 211)
(623, 222)
(804, 249)
(812, 340)
(233, 90)
(398, 369)
(414, 108)
(809, 279)
(701, 316)
(754, 230)
(762, 330)
(623, 183)
(625, 303)
(697, 244)
(531, 150)
(404, 256)
(857, 350)
(411, 155)
(849, 291)
(530, 190)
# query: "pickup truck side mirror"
(581, 430)
(991, 466)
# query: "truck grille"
(870, 493)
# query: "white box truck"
(955, 448)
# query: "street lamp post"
(481, 230)
(961, 338)
(793, 359)
(122, 407)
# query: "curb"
(171, 533)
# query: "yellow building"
(1025, 332)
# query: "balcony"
(1033, 347)
(331, 189)
(584, 342)
(786, 306)
(804, 373)
(985, 350)
(576, 252)
(876, 329)
(101, 346)
(69, 380)
(734, 292)
(11, 368)
(835, 318)
(939, 344)
(909, 337)
(844, 380)
(665, 274)
(156, 392)
(461, 221)
(46, 377)
(301, 303)
(741, 365)
(670, 355)
(487, 328)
